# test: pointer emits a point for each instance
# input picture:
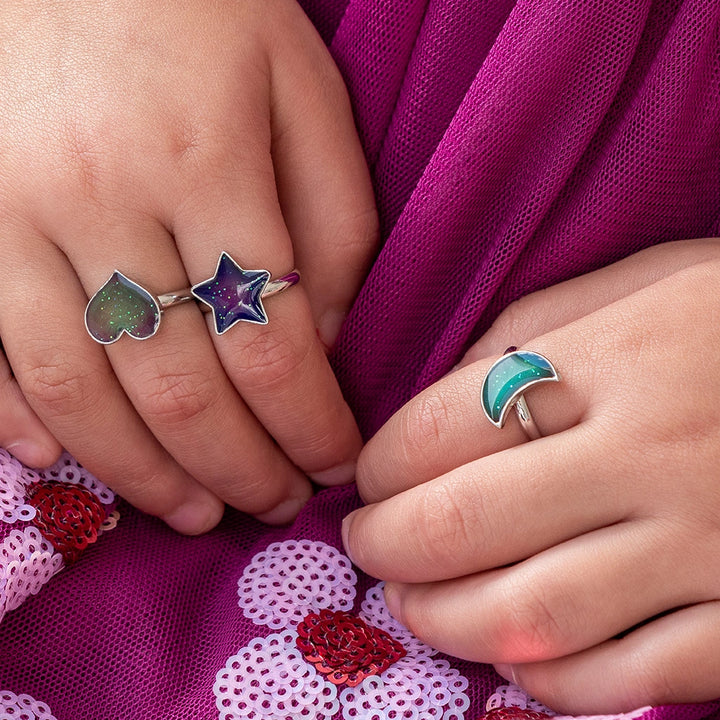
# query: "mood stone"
(234, 294)
(121, 306)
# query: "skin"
(148, 141)
(584, 564)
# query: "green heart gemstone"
(509, 377)
(121, 306)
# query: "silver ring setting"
(122, 306)
(234, 294)
(505, 383)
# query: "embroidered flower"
(515, 713)
(510, 702)
(326, 659)
(47, 518)
(23, 707)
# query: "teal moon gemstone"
(121, 306)
(509, 377)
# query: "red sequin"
(344, 648)
(514, 713)
(68, 516)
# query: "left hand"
(585, 564)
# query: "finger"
(21, 431)
(555, 603)
(69, 384)
(467, 521)
(444, 426)
(322, 178)
(280, 369)
(554, 307)
(656, 664)
(179, 387)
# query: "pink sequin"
(270, 680)
(27, 562)
(291, 579)
(13, 491)
(68, 470)
(22, 707)
(68, 508)
(510, 702)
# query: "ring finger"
(444, 426)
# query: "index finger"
(444, 426)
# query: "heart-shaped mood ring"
(122, 306)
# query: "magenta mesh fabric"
(513, 144)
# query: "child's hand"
(148, 138)
(537, 555)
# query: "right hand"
(148, 141)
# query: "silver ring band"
(233, 294)
(273, 287)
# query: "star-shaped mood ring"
(233, 294)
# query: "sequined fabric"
(345, 648)
(512, 144)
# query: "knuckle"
(270, 359)
(358, 235)
(510, 320)
(527, 624)
(57, 384)
(323, 443)
(427, 422)
(649, 683)
(442, 525)
(81, 160)
(512, 326)
(148, 491)
(179, 398)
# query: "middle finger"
(467, 520)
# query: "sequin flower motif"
(510, 702)
(47, 518)
(323, 660)
(23, 707)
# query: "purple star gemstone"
(233, 294)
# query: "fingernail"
(345, 532)
(339, 475)
(285, 512)
(329, 327)
(392, 600)
(507, 672)
(29, 453)
(194, 518)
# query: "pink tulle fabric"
(513, 144)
